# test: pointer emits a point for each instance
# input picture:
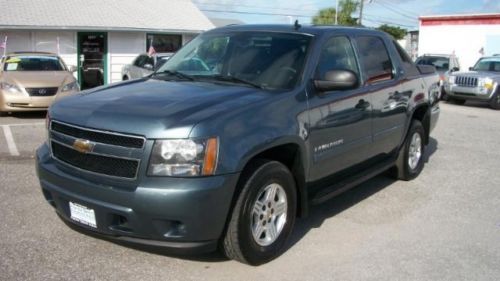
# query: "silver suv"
(480, 83)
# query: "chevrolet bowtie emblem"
(83, 146)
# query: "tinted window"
(402, 53)
(337, 54)
(440, 63)
(149, 60)
(33, 63)
(374, 59)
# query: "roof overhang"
(94, 28)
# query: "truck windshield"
(33, 63)
(440, 63)
(488, 64)
(266, 60)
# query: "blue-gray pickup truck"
(236, 136)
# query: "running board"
(328, 192)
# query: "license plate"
(82, 214)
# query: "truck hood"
(153, 108)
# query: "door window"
(337, 54)
(375, 59)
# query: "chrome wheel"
(269, 214)
(415, 151)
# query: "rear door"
(383, 79)
(340, 133)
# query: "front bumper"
(469, 93)
(14, 102)
(181, 214)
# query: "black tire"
(403, 169)
(495, 101)
(125, 78)
(238, 242)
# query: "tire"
(413, 149)
(495, 101)
(125, 78)
(239, 242)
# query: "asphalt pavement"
(444, 225)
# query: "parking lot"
(444, 225)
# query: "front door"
(92, 55)
(340, 133)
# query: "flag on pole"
(481, 51)
(58, 47)
(151, 50)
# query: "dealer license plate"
(82, 214)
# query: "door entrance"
(92, 55)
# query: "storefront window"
(164, 43)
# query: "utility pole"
(336, 12)
(361, 12)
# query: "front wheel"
(495, 101)
(410, 160)
(264, 214)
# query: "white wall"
(123, 47)
(465, 40)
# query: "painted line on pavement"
(11, 144)
(24, 124)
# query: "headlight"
(486, 83)
(184, 157)
(451, 79)
(10, 87)
(73, 86)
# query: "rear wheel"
(495, 101)
(410, 160)
(264, 214)
(125, 78)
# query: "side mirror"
(471, 68)
(148, 66)
(337, 80)
(455, 69)
(72, 68)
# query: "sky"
(403, 13)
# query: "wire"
(255, 7)
(395, 11)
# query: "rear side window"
(374, 59)
(337, 54)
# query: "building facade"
(99, 37)
(469, 37)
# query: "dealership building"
(99, 37)
(469, 37)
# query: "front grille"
(95, 136)
(106, 165)
(41, 92)
(465, 81)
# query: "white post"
(336, 11)
(5, 46)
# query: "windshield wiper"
(174, 73)
(227, 78)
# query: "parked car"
(444, 64)
(480, 83)
(230, 152)
(31, 81)
(144, 65)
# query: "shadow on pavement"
(28, 114)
